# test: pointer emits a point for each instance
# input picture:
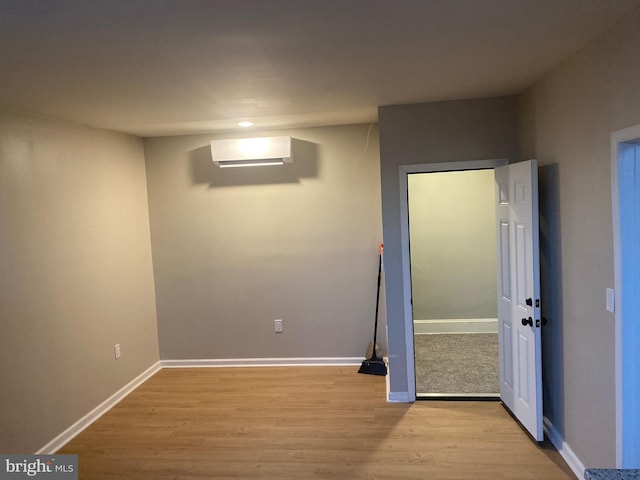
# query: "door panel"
(518, 272)
(521, 264)
(507, 351)
(523, 371)
(503, 262)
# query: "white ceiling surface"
(163, 67)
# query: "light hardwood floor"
(302, 423)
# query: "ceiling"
(164, 67)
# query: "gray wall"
(566, 122)
(76, 274)
(452, 234)
(235, 249)
(431, 133)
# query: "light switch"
(278, 325)
(611, 300)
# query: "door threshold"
(483, 397)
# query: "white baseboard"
(399, 397)
(564, 449)
(395, 397)
(263, 362)
(65, 437)
(455, 325)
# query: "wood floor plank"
(302, 423)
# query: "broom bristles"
(373, 366)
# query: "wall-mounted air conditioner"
(248, 152)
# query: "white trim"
(404, 247)
(453, 166)
(263, 362)
(455, 325)
(563, 448)
(400, 397)
(66, 436)
(618, 137)
(387, 381)
(406, 285)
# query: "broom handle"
(375, 328)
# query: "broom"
(375, 365)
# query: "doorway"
(452, 242)
(625, 180)
(405, 172)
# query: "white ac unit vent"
(250, 152)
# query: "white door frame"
(618, 137)
(405, 170)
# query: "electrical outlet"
(278, 325)
(116, 350)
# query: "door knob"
(529, 302)
(527, 321)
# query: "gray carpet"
(464, 363)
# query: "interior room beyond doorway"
(453, 279)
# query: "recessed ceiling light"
(245, 123)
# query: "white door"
(519, 293)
